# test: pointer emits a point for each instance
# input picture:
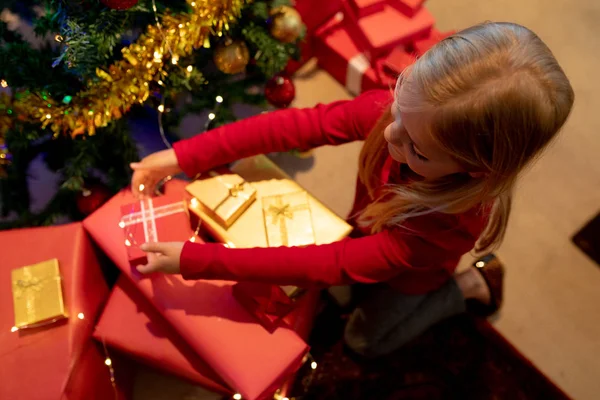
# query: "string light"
(121, 224)
(80, 315)
(14, 329)
(236, 396)
(161, 108)
(108, 362)
(160, 82)
(193, 4)
(190, 68)
(194, 202)
(219, 99)
(59, 38)
(48, 116)
(480, 264)
(3, 83)
(313, 365)
(141, 187)
(174, 60)
(127, 243)
(211, 116)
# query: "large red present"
(130, 324)
(338, 54)
(55, 360)
(205, 313)
(379, 32)
(159, 219)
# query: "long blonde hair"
(498, 97)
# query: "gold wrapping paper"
(37, 294)
(288, 220)
(223, 197)
(268, 180)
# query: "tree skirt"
(461, 358)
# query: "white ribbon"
(355, 71)
(148, 215)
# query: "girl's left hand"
(162, 257)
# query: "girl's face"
(409, 142)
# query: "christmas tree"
(67, 99)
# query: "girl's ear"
(477, 174)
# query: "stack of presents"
(366, 44)
(65, 335)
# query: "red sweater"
(415, 258)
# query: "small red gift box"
(408, 7)
(422, 45)
(379, 32)
(397, 61)
(337, 54)
(205, 313)
(158, 219)
(362, 8)
(58, 360)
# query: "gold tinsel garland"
(127, 81)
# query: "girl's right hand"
(151, 170)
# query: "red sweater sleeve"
(283, 130)
(374, 258)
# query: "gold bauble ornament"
(231, 57)
(287, 24)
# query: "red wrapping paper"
(337, 54)
(379, 32)
(58, 361)
(268, 303)
(131, 325)
(205, 313)
(362, 8)
(408, 7)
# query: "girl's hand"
(162, 257)
(151, 170)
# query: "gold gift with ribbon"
(288, 219)
(37, 294)
(223, 197)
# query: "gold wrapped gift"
(269, 180)
(37, 294)
(223, 197)
(288, 220)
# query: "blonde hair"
(497, 97)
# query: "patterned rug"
(461, 358)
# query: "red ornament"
(280, 91)
(91, 198)
(119, 4)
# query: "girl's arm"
(283, 130)
(370, 259)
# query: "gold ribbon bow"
(279, 212)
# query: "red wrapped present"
(408, 7)
(337, 54)
(159, 219)
(205, 313)
(362, 8)
(422, 45)
(379, 32)
(54, 360)
(131, 325)
(397, 61)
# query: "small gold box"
(223, 197)
(37, 294)
(288, 219)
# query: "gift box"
(397, 61)
(268, 303)
(338, 54)
(205, 314)
(269, 180)
(288, 219)
(223, 197)
(379, 32)
(131, 325)
(57, 360)
(37, 294)
(422, 45)
(407, 7)
(362, 8)
(159, 219)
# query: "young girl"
(437, 170)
